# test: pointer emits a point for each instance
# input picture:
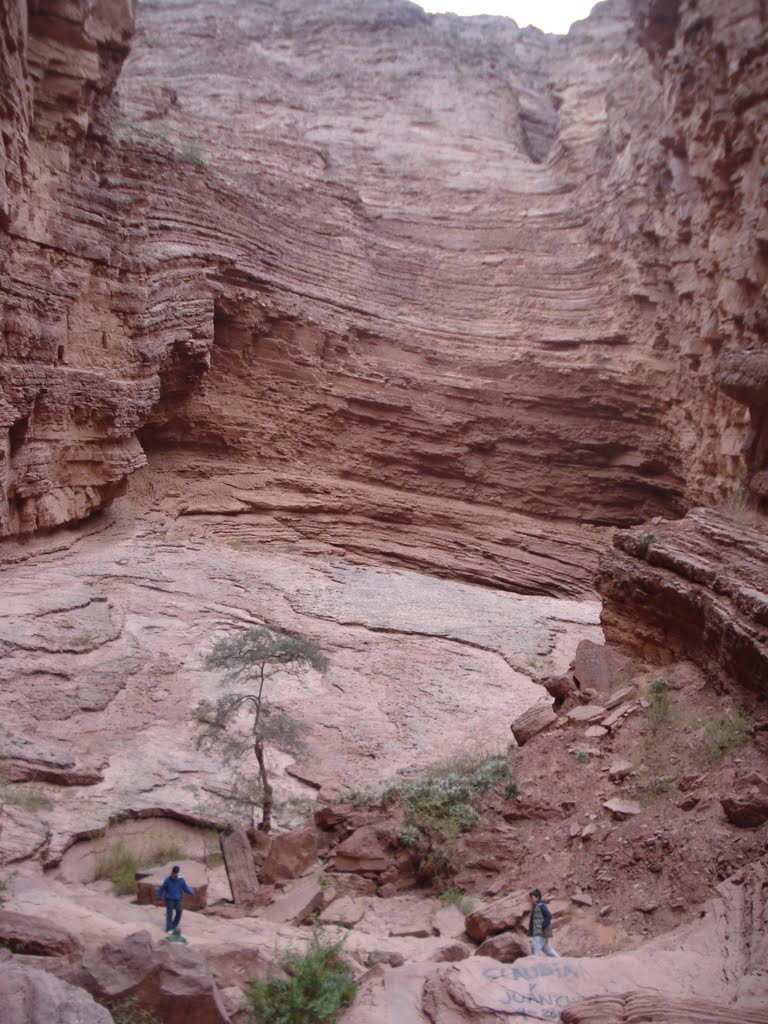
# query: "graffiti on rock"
(525, 998)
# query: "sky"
(548, 15)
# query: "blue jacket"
(174, 889)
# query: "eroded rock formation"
(417, 253)
(81, 354)
(698, 587)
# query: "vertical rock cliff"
(698, 587)
(431, 289)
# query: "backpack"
(546, 916)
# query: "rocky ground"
(638, 795)
(104, 642)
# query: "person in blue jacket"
(172, 890)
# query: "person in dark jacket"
(540, 926)
(172, 891)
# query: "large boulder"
(168, 979)
(35, 936)
(31, 996)
(506, 947)
(238, 860)
(500, 916)
(597, 667)
(290, 855)
(361, 852)
(747, 805)
(534, 720)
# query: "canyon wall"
(429, 289)
(698, 587)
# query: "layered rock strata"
(696, 589)
(82, 356)
(699, 587)
(414, 251)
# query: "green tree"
(249, 660)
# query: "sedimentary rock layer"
(700, 586)
(352, 264)
(697, 588)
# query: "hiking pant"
(541, 945)
(172, 914)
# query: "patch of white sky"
(554, 16)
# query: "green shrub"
(4, 890)
(458, 898)
(659, 705)
(358, 797)
(319, 985)
(128, 1011)
(722, 733)
(648, 539)
(582, 756)
(444, 804)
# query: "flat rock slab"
(620, 696)
(617, 716)
(621, 808)
(422, 929)
(598, 666)
(34, 936)
(534, 720)
(241, 870)
(295, 906)
(346, 911)
(587, 713)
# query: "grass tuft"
(129, 1011)
(119, 864)
(458, 898)
(723, 733)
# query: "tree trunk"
(266, 789)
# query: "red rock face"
(699, 587)
(417, 286)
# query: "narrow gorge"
(444, 343)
